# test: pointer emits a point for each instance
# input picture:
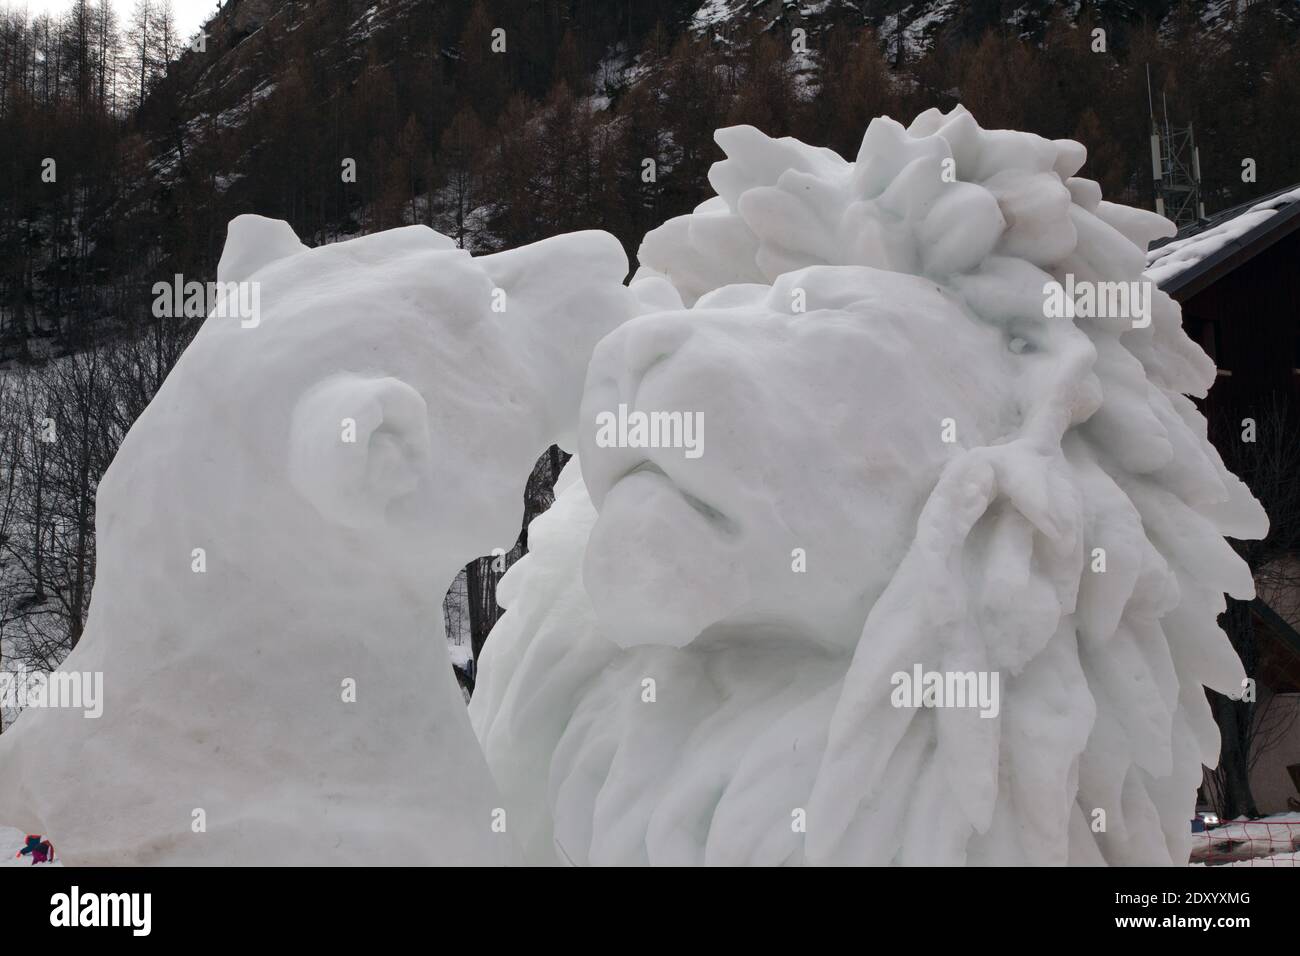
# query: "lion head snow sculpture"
(912, 462)
(274, 538)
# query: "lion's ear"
(252, 243)
(359, 449)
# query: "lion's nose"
(629, 354)
(622, 379)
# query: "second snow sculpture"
(273, 538)
(974, 483)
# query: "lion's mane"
(1104, 725)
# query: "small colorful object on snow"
(42, 851)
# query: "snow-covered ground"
(1269, 841)
(1266, 842)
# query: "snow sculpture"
(976, 479)
(272, 540)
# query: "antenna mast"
(1175, 166)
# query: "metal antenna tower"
(1175, 167)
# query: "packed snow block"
(725, 247)
(274, 537)
(916, 456)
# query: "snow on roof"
(1180, 254)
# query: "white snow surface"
(1268, 841)
(1175, 257)
(826, 318)
(326, 560)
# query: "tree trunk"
(1236, 721)
(1233, 718)
(481, 590)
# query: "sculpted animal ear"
(565, 294)
(252, 243)
(359, 449)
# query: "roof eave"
(1234, 254)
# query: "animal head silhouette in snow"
(911, 460)
(273, 536)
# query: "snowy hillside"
(911, 29)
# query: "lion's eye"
(1017, 345)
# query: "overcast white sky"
(190, 14)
